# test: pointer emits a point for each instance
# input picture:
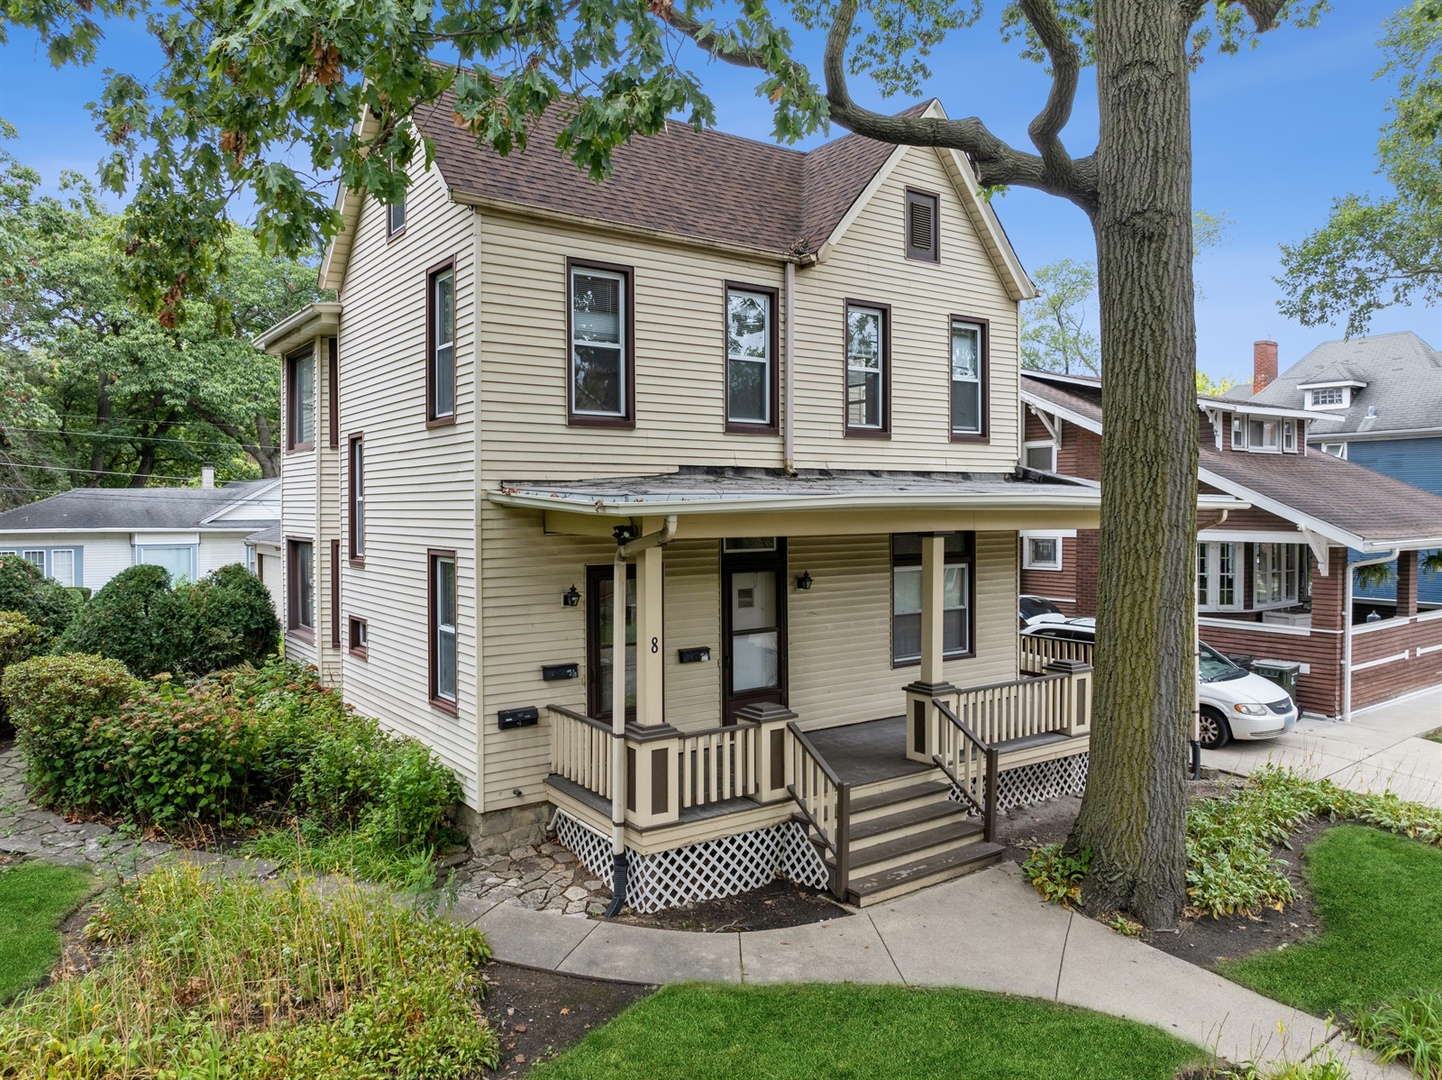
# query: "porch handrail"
(825, 802)
(581, 749)
(718, 763)
(1038, 651)
(1004, 712)
(967, 762)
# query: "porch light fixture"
(570, 598)
(804, 581)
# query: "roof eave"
(1027, 496)
(321, 319)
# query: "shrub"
(136, 618)
(46, 603)
(53, 702)
(216, 976)
(20, 639)
(1057, 876)
(230, 620)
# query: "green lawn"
(845, 1031)
(35, 898)
(1380, 898)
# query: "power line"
(89, 472)
(125, 438)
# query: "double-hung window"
(1277, 575)
(906, 598)
(968, 379)
(357, 515)
(601, 345)
(441, 344)
(443, 629)
(868, 375)
(750, 359)
(300, 400)
(1289, 436)
(1217, 585)
(300, 587)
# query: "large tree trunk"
(1133, 813)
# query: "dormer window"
(922, 226)
(1324, 396)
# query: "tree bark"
(1133, 813)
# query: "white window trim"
(1288, 598)
(1313, 406)
(1034, 444)
(1214, 575)
(1263, 449)
(139, 557)
(1342, 455)
(1028, 563)
(978, 381)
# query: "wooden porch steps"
(906, 833)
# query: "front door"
(753, 596)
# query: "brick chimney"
(1264, 365)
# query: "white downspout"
(788, 372)
(1348, 589)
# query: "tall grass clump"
(214, 976)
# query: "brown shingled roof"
(703, 184)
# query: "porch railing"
(1037, 652)
(1003, 712)
(581, 749)
(970, 764)
(824, 801)
(718, 764)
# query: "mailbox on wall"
(527, 716)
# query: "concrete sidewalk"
(1378, 751)
(987, 931)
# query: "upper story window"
(1041, 551)
(1264, 434)
(599, 326)
(357, 515)
(968, 379)
(300, 400)
(441, 344)
(906, 599)
(922, 226)
(868, 369)
(1040, 455)
(1289, 436)
(396, 216)
(751, 374)
(1324, 397)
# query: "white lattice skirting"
(705, 871)
(1040, 782)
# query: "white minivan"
(1235, 703)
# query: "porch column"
(921, 717)
(650, 640)
(1406, 584)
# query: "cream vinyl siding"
(869, 265)
(680, 300)
(328, 510)
(298, 520)
(420, 481)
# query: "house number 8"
(655, 645)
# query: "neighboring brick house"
(1272, 580)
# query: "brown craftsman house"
(1275, 580)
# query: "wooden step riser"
(860, 844)
(934, 798)
(903, 857)
(922, 881)
(895, 783)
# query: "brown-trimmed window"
(968, 378)
(601, 344)
(443, 654)
(300, 587)
(441, 344)
(958, 608)
(300, 400)
(358, 637)
(356, 491)
(923, 214)
(868, 369)
(600, 630)
(751, 372)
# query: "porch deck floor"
(867, 752)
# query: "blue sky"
(1278, 132)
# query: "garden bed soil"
(1200, 940)
(538, 1014)
(777, 906)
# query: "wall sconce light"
(804, 581)
(571, 598)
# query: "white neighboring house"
(85, 536)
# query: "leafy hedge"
(225, 619)
(20, 639)
(50, 606)
(237, 749)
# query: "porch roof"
(854, 501)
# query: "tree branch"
(1263, 12)
(1045, 129)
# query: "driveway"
(1380, 750)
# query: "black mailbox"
(527, 716)
(552, 672)
(694, 656)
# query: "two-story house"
(1375, 401)
(671, 508)
(1275, 577)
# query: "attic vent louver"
(921, 215)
